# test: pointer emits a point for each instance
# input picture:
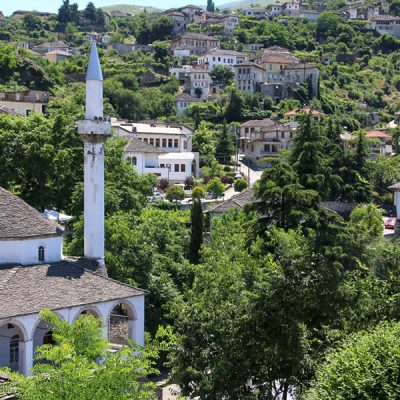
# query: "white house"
(216, 57)
(265, 138)
(255, 12)
(25, 102)
(159, 149)
(198, 83)
(184, 100)
(34, 274)
(180, 72)
(248, 76)
(386, 24)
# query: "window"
(252, 147)
(246, 130)
(176, 167)
(41, 253)
(152, 142)
(146, 140)
(283, 135)
(48, 338)
(164, 143)
(176, 143)
(134, 160)
(14, 349)
(157, 142)
(267, 148)
(185, 144)
(162, 165)
(183, 167)
(169, 142)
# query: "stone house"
(195, 43)
(184, 100)
(248, 76)
(26, 101)
(265, 138)
(215, 57)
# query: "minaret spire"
(94, 131)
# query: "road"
(246, 171)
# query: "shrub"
(226, 179)
(163, 184)
(199, 192)
(216, 188)
(240, 185)
(175, 193)
(189, 182)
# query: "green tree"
(198, 192)
(283, 201)
(90, 12)
(216, 188)
(366, 221)
(327, 24)
(225, 143)
(70, 370)
(64, 12)
(162, 29)
(8, 62)
(204, 142)
(175, 193)
(365, 366)
(196, 235)
(240, 184)
(161, 51)
(32, 23)
(234, 108)
(210, 6)
(222, 73)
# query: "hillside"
(234, 5)
(130, 8)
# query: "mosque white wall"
(25, 251)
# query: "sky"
(9, 6)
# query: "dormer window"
(41, 254)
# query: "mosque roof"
(18, 220)
(94, 69)
(68, 283)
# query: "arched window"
(41, 253)
(134, 160)
(14, 349)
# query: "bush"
(216, 188)
(175, 193)
(206, 179)
(199, 192)
(163, 184)
(227, 168)
(226, 180)
(189, 182)
(240, 185)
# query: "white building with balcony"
(265, 138)
(216, 57)
(161, 150)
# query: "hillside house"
(195, 43)
(159, 149)
(184, 100)
(386, 24)
(215, 57)
(248, 76)
(265, 138)
(255, 12)
(25, 102)
(198, 83)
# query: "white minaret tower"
(94, 131)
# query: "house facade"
(386, 24)
(25, 102)
(162, 151)
(255, 12)
(195, 43)
(216, 57)
(183, 101)
(248, 76)
(198, 83)
(265, 138)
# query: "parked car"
(390, 222)
(157, 196)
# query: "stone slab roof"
(137, 146)
(18, 220)
(187, 97)
(238, 201)
(395, 186)
(72, 282)
(7, 110)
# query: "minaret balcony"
(94, 127)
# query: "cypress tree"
(196, 236)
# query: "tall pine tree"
(196, 236)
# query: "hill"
(235, 5)
(129, 8)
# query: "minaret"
(94, 131)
